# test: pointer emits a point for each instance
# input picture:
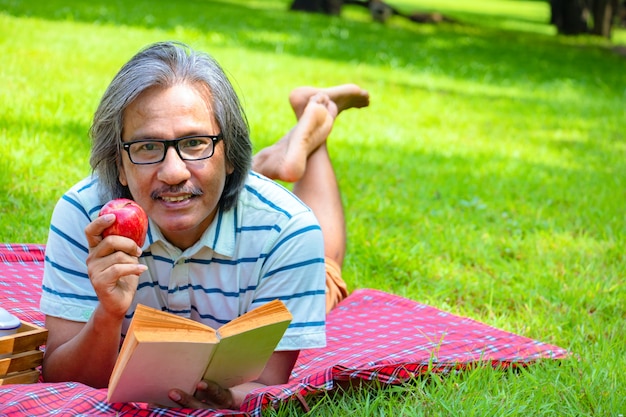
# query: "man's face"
(181, 197)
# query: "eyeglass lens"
(198, 147)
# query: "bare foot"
(286, 159)
(344, 96)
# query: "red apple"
(130, 220)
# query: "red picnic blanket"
(371, 335)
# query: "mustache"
(177, 189)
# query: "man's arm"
(86, 352)
(81, 352)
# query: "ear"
(229, 167)
(122, 174)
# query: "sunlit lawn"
(486, 178)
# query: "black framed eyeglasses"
(189, 148)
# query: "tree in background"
(318, 6)
(573, 17)
(379, 10)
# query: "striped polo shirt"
(268, 246)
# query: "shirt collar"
(219, 236)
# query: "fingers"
(94, 230)
(208, 395)
(212, 392)
(187, 400)
(107, 273)
(113, 258)
(113, 266)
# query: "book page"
(154, 368)
(150, 318)
(242, 357)
(164, 351)
(161, 351)
(272, 312)
(176, 335)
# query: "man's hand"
(211, 395)
(113, 266)
(208, 395)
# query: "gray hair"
(166, 64)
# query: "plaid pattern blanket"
(372, 336)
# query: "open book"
(162, 351)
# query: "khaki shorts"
(336, 289)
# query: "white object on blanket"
(8, 323)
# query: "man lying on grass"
(170, 134)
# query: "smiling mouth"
(176, 194)
(176, 199)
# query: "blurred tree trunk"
(568, 16)
(571, 17)
(379, 10)
(319, 6)
(604, 13)
(574, 17)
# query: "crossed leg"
(316, 110)
(286, 160)
(344, 96)
(302, 157)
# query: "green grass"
(487, 177)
